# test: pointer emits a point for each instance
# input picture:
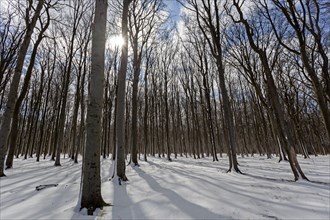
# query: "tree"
(10, 38)
(45, 64)
(208, 20)
(142, 22)
(200, 59)
(91, 197)
(14, 126)
(277, 110)
(120, 114)
(306, 18)
(13, 92)
(79, 9)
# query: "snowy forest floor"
(183, 189)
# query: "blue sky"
(174, 8)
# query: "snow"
(183, 189)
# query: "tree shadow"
(234, 188)
(123, 207)
(285, 180)
(182, 172)
(193, 210)
(79, 216)
(267, 178)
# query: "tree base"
(91, 209)
(122, 179)
(237, 171)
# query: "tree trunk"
(134, 110)
(14, 129)
(91, 197)
(12, 96)
(146, 108)
(120, 114)
(229, 121)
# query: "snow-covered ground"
(182, 189)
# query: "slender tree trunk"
(228, 118)
(81, 144)
(75, 117)
(23, 125)
(167, 119)
(146, 108)
(43, 118)
(66, 83)
(120, 114)
(134, 113)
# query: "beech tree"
(281, 123)
(30, 22)
(306, 19)
(208, 20)
(14, 125)
(10, 38)
(198, 53)
(90, 197)
(79, 9)
(121, 99)
(143, 18)
(254, 80)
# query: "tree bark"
(91, 197)
(120, 114)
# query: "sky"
(174, 8)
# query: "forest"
(108, 89)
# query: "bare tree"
(306, 18)
(208, 20)
(14, 126)
(30, 23)
(90, 196)
(10, 38)
(281, 123)
(79, 9)
(199, 55)
(120, 114)
(142, 23)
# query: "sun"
(116, 41)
